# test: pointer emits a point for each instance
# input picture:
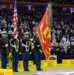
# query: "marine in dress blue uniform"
(4, 49)
(26, 50)
(38, 53)
(15, 53)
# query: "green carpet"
(33, 70)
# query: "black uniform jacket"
(3, 42)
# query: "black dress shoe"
(15, 71)
(39, 69)
(26, 70)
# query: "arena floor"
(47, 69)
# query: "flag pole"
(50, 19)
(15, 4)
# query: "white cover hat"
(3, 32)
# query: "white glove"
(30, 53)
(24, 45)
(13, 46)
(31, 39)
(19, 52)
(6, 45)
(40, 50)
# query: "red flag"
(44, 35)
(15, 20)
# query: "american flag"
(15, 21)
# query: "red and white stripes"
(15, 20)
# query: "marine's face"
(26, 36)
(3, 35)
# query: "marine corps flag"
(43, 30)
